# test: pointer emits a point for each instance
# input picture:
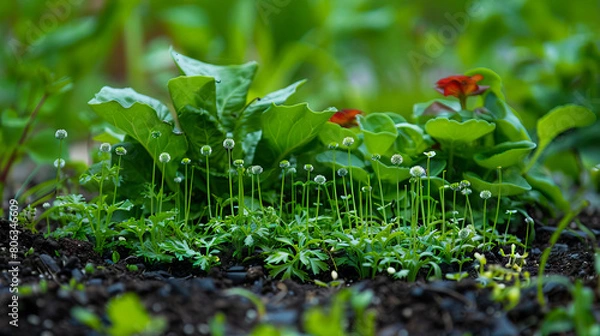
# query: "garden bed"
(189, 299)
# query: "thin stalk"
(189, 201)
(381, 194)
(498, 202)
(162, 188)
(351, 181)
(208, 196)
(117, 180)
(230, 181)
(281, 196)
(262, 209)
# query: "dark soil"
(189, 299)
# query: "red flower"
(461, 87)
(345, 118)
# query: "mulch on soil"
(189, 298)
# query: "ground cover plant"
(213, 209)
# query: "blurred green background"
(371, 55)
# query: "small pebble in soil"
(48, 324)
(407, 312)
(115, 289)
(251, 315)
(203, 328)
(33, 319)
(157, 307)
(50, 263)
(188, 329)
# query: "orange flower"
(345, 118)
(461, 87)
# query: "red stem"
(13, 154)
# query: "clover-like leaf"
(452, 131)
(505, 154)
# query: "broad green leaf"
(490, 78)
(411, 139)
(561, 119)
(379, 132)
(508, 124)
(555, 122)
(390, 173)
(201, 128)
(334, 133)
(452, 131)
(549, 189)
(287, 128)
(128, 316)
(436, 107)
(512, 183)
(138, 116)
(196, 91)
(232, 84)
(505, 154)
(341, 161)
(250, 119)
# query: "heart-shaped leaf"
(196, 91)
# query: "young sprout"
(164, 158)
(510, 213)
(120, 151)
(206, 151)
(239, 164)
(105, 147)
(348, 142)
(429, 156)
(154, 135)
(256, 171)
(228, 144)
(417, 171)
(60, 134)
(306, 195)
(186, 192)
(319, 180)
(376, 158)
(485, 195)
(283, 164)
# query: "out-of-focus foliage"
(371, 55)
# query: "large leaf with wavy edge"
(232, 84)
(250, 119)
(452, 131)
(138, 116)
(201, 128)
(287, 128)
(196, 91)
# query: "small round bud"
(366, 189)
(417, 171)
(61, 134)
(46, 205)
(466, 191)
(284, 164)
(59, 163)
(178, 179)
(292, 170)
(333, 145)
(105, 147)
(375, 157)
(391, 270)
(334, 275)
(485, 194)
(121, 151)
(228, 143)
(186, 161)
(465, 184)
(429, 154)
(320, 179)
(464, 233)
(155, 134)
(529, 220)
(510, 212)
(206, 150)
(342, 172)
(256, 170)
(308, 167)
(455, 186)
(164, 157)
(348, 141)
(397, 159)
(238, 163)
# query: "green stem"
(230, 181)
(281, 196)
(381, 194)
(208, 194)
